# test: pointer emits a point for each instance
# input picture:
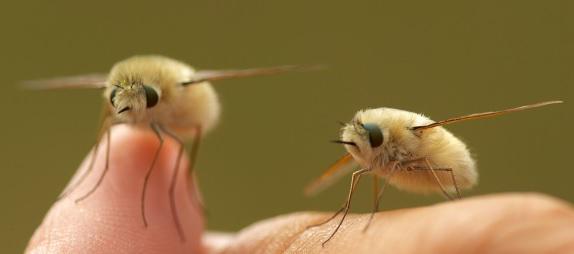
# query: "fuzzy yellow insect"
(408, 150)
(160, 93)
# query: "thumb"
(110, 219)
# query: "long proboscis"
(203, 76)
(484, 115)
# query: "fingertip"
(110, 219)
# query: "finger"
(509, 223)
(110, 221)
(216, 242)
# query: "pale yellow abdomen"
(197, 107)
(444, 151)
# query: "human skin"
(109, 221)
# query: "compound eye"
(375, 134)
(113, 96)
(151, 96)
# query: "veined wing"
(484, 115)
(341, 167)
(95, 80)
(212, 75)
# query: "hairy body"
(181, 108)
(406, 152)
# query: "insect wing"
(484, 115)
(96, 80)
(212, 75)
(341, 167)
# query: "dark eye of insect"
(375, 134)
(112, 96)
(151, 96)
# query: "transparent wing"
(95, 80)
(212, 75)
(484, 115)
(341, 167)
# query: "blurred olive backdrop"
(441, 58)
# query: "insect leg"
(452, 177)
(84, 174)
(376, 190)
(330, 218)
(451, 172)
(156, 130)
(192, 172)
(335, 214)
(195, 148)
(435, 176)
(433, 172)
(354, 180)
(173, 182)
(107, 166)
(105, 125)
(379, 194)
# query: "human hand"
(109, 221)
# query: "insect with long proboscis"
(160, 93)
(407, 150)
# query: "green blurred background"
(441, 58)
